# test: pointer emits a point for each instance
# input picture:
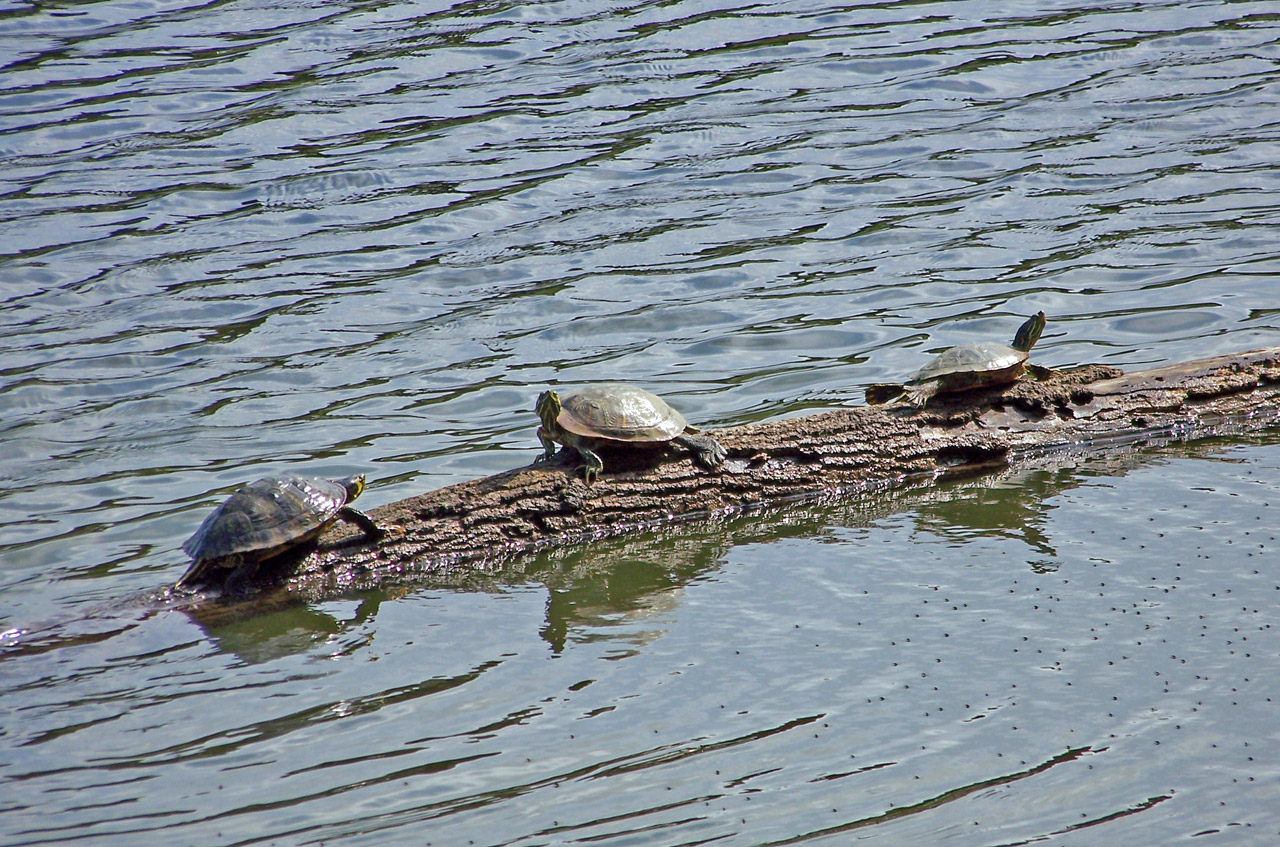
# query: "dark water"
(237, 238)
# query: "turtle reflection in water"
(968, 366)
(617, 415)
(267, 518)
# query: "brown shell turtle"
(617, 415)
(266, 518)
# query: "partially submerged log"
(850, 452)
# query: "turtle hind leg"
(352, 515)
(592, 464)
(919, 395)
(240, 580)
(706, 450)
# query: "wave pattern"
(361, 236)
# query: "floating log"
(852, 452)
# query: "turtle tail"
(195, 574)
(883, 392)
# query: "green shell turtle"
(617, 415)
(968, 366)
(266, 518)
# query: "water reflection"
(629, 584)
(624, 584)
(689, 658)
(623, 588)
(257, 636)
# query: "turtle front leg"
(591, 461)
(548, 445)
(706, 450)
(351, 514)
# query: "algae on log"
(479, 524)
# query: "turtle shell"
(267, 517)
(973, 365)
(619, 412)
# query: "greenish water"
(244, 237)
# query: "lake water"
(246, 237)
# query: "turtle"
(268, 517)
(979, 365)
(617, 415)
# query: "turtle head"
(548, 410)
(354, 486)
(1029, 333)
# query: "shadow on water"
(632, 577)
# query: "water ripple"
(361, 236)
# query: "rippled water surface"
(243, 237)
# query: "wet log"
(850, 452)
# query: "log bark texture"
(849, 452)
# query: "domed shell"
(267, 516)
(620, 412)
(974, 359)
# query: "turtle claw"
(706, 450)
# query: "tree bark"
(851, 452)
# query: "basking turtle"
(967, 366)
(617, 415)
(269, 517)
